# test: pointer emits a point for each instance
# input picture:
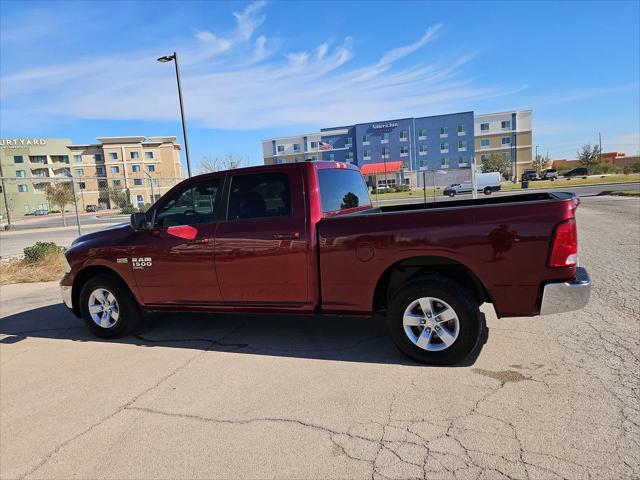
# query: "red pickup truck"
(304, 238)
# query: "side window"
(193, 205)
(259, 196)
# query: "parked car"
(304, 238)
(577, 172)
(485, 182)
(529, 175)
(41, 211)
(550, 174)
(91, 208)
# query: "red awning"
(374, 168)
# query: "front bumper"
(65, 293)
(566, 296)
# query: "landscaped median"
(42, 262)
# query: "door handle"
(200, 241)
(287, 236)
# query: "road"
(229, 396)
(55, 220)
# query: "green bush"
(403, 188)
(128, 209)
(635, 168)
(600, 168)
(41, 250)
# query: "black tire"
(451, 194)
(488, 191)
(459, 299)
(129, 313)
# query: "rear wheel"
(434, 320)
(487, 190)
(108, 307)
(451, 193)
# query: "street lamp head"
(166, 58)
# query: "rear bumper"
(566, 296)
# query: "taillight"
(564, 247)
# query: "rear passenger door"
(261, 248)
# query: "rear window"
(342, 189)
(259, 196)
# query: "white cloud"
(232, 80)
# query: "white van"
(486, 183)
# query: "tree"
(229, 161)
(59, 194)
(119, 196)
(589, 156)
(350, 200)
(497, 162)
(540, 163)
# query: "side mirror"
(139, 222)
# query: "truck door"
(173, 263)
(261, 248)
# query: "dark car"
(41, 211)
(91, 208)
(530, 175)
(304, 238)
(577, 172)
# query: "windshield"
(342, 189)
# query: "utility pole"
(4, 195)
(600, 152)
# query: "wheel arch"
(91, 271)
(407, 269)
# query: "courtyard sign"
(376, 126)
(22, 142)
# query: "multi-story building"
(398, 149)
(145, 167)
(505, 133)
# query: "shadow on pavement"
(349, 339)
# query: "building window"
(137, 182)
(444, 163)
(384, 138)
(77, 158)
(98, 157)
(462, 146)
(18, 159)
(365, 139)
(507, 155)
(102, 184)
(153, 182)
(444, 132)
(347, 142)
(135, 168)
(20, 173)
(115, 169)
(484, 143)
(151, 168)
(385, 152)
(367, 154)
(296, 147)
(148, 155)
(22, 188)
(332, 157)
(462, 130)
(82, 185)
(422, 134)
(506, 140)
(280, 148)
(505, 125)
(314, 145)
(484, 157)
(422, 149)
(113, 156)
(404, 151)
(404, 135)
(79, 172)
(134, 155)
(484, 127)
(38, 158)
(349, 156)
(462, 162)
(117, 183)
(424, 163)
(444, 147)
(100, 170)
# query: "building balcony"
(444, 150)
(404, 154)
(424, 152)
(462, 149)
(462, 134)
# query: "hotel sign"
(377, 126)
(22, 142)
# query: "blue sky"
(252, 70)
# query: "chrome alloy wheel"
(431, 324)
(103, 308)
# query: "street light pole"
(151, 185)
(174, 57)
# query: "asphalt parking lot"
(256, 397)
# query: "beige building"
(508, 133)
(146, 167)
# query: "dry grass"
(20, 271)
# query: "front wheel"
(487, 190)
(451, 193)
(108, 307)
(434, 320)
